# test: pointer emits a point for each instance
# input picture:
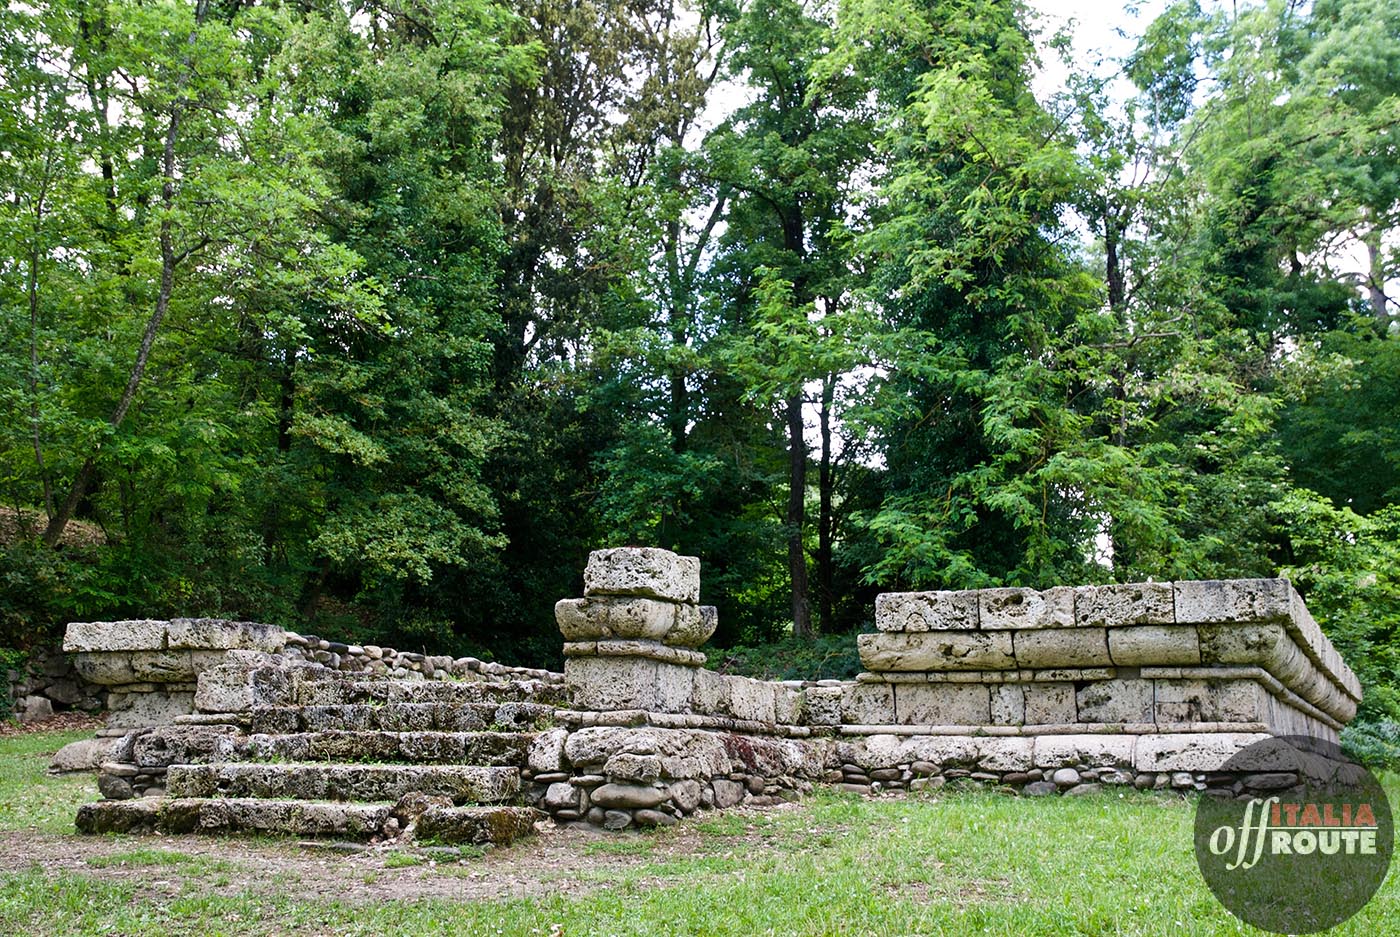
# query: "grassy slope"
(966, 863)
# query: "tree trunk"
(168, 261)
(1375, 276)
(826, 523)
(796, 518)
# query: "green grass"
(401, 860)
(959, 863)
(29, 798)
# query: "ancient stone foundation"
(1153, 685)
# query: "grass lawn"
(956, 863)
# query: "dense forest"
(373, 317)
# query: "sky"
(1100, 30)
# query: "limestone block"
(642, 571)
(635, 648)
(936, 650)
(1026, 608)
(237, 687)
(1008, 705)
(174, 666)
(1062, 647)
(867, 704)
(139, 710)
(942, 704)
(602, 618)
(683, 753)
(1191, 751)
(1154, 645)
(1104, 751)
(824, 705)
(605, 684)
(134, 635)
(105, 668)
(789, 705)
(593, 746)
(1005, 754)
(1049, 704)
(626, 766)
(546, 752)
(219, 634)
(185, 745)
(946, 751)
(695, 624)
(1248, 643)
(752, 699)
(1121, 700)
(1132, 603)
(1237, 600)
(1183, 701)
(926, 611)
(561, 796)
(710, 695)
(692, 754)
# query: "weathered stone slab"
(1135, 603)
(1062, 647)
(868, 704)
(1049, 703)
(654, 650)
(941, 704)
(1008, 704)
(1183, 701)
(1060, 751)
(642, 571)
(611, 683)
(1005, 754)
(602, 618)
(927, 611)
(132, 635)
(140, 710)
(936, 650)
(1233, 600)
(1120, 700)
(1189, 751)
(1154, 645)
(1026, 608)
(220, 634)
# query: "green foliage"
(820, 657)
(374, 320)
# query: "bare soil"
(556, 861)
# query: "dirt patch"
(570, 861)
(59, 722)
(29, 523)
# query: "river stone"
(629, 796)
(616, 819)
(653, 818)
(727, 793)
(82, 755)
(685, 795)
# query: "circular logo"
(1292, 836)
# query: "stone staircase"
(291, 748)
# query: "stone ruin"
(1067, 690)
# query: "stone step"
(454, 748)
(332, 692)
(402, 717)
(465, 784)
(303, 818)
